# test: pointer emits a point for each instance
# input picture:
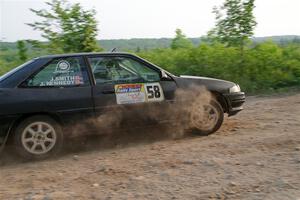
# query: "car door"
(128, 90)
(61, 87)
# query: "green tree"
(235, 23)
(22, 50)
(67, 27)
(180, 41)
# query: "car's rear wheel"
(38, 137)
(207, 118)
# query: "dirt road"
(256, 155)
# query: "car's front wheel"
(38, 137)
(206, 118)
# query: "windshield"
(8, 74)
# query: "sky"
(125, 19)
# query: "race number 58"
(154, 92)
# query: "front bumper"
(235, 102)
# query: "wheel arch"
(28, 115)
(221, 100)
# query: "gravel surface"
(255, 155)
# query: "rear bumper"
(235, 102)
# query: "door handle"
(108, 92)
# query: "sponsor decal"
(124, 88)
(62, 66)
(64, 81)
(138, 93)
(130, 93)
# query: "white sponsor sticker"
(138, 93)
(63, 81)
(130, 93)
(62, 66)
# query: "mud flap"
(4, 139)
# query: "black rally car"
(41, 97)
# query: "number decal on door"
(154, 92)
(138, 93)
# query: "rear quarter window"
(60, 72)
(15, 70)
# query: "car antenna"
(113, 50)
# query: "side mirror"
(164, 76)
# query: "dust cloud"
(184, 113)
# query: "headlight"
(234, 89)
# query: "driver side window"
(118, 70)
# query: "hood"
(211, 84)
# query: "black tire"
(41, 131)
(200, 130)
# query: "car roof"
(87, 54)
